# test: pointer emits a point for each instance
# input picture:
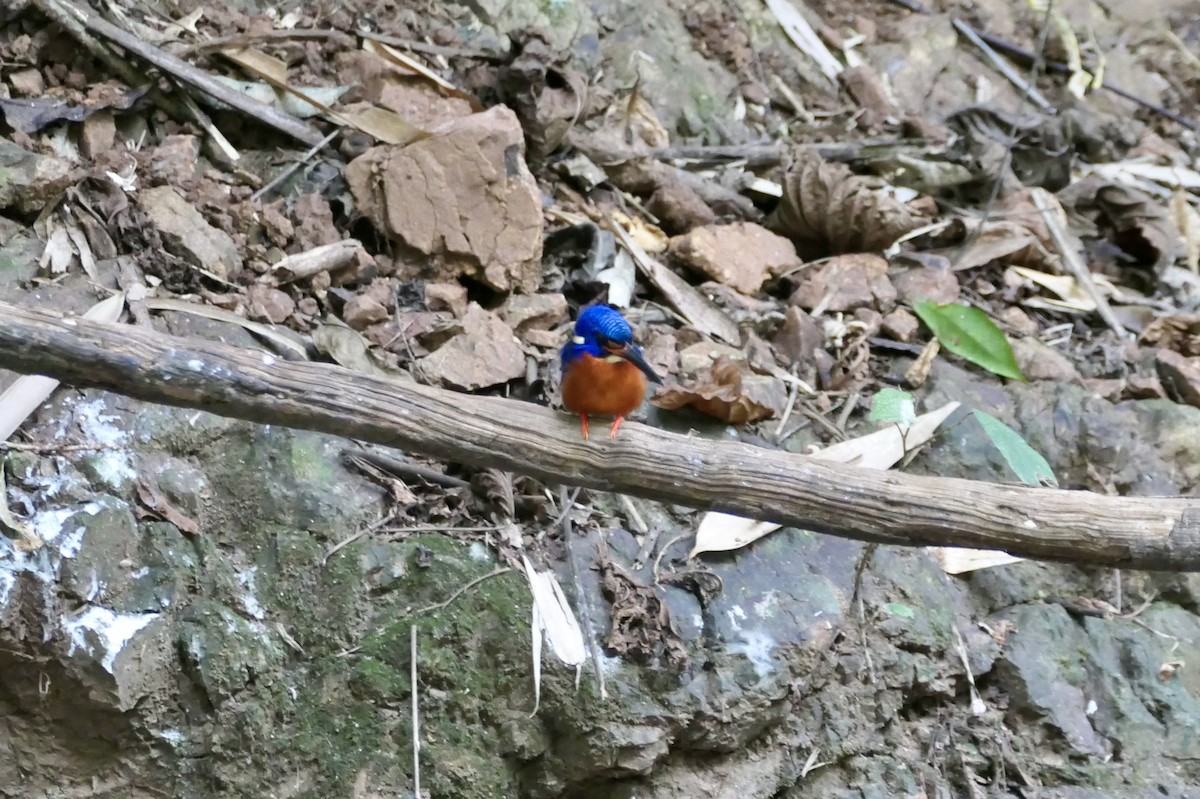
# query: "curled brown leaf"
(827, 209)
(723, 392)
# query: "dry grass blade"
(552, 615)
(220, 315)
(804, 37)
(27, 393)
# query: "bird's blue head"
(601, 332)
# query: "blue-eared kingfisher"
(603, 371)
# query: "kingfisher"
(603, 371)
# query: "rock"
(1144, 387)
(849, 281)
(679, 208)
(524, 312)
(450, 297)
(1040, 361)
(186, 234)
(363, 310)
(97, 134)
(742, 255)
(900, 325)
(29, 180)
(175, 159)
(1180, 376)
(463, 197)
(27, 83)
(1019, 321)
(926, 283)
(702, 354)
(269, 304)
(484, 354)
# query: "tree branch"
(885, 507)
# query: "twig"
(459, 592)
(1004, 68)
(663, 551)
(180, 69)
(1076, 266)
(242, 40)
(1027, 58)
(292, 167)
(416, 715)
(339, 546)
(402, 469)
(1160, 533)
(434, 49)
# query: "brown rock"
(1040, 361)
(29, 180)
(679, 208)
(742, 255)
(27, 83)
(450, 297)
(1019, 321)
(871, 318)
(463, 197)
(175, 159)
(547, 339)
(1180, 376)
(363, 310)
(484, 354)
(900, 325)
(849, 281)
(97, 134)
(185, 233)
(269, 303)
(1144, 387)
(926, 283)
(524, 312)
(703, 354)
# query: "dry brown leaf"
(719, 392)
(827, 209)
(153, 505)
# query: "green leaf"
(1023, 459)
(903, 611)
(968, 332)
(895, 406)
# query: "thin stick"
(416, 716)
(1076, 266)
(291, 168)
(1005, 69)
(459, 592)
(339, 546)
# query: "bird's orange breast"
(598, 386)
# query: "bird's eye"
(602, 340)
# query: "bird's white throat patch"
(613, 358)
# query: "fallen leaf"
(721, 393)
(826, 209)
(968, 332)
(154, 505)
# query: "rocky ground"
(193, 606)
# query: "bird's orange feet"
(584, 423)
(616, 425)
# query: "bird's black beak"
(634, 356)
